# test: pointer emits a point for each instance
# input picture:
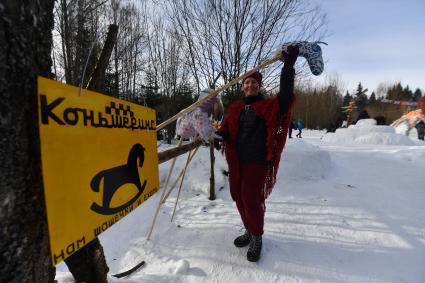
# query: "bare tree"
(79, 25)
(168, 65)
(128, 56)
(25, 50)
(235, 35)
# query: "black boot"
(254, 251)
(243, 240)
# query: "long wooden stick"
(190, 156)
(177, 151)
(181, 183)
(217, 91)
(163, 192)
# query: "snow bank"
(403, 129)
(367, 132)
(301, 161)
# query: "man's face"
(251, 87)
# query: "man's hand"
(290, 57)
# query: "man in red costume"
(254, 134)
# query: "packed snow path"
(339, 213)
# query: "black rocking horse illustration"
(116, 177)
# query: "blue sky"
(375, 41)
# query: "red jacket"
(277, 128)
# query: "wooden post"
(97, 78)
(212, 158)
(89, 263)
(172, 153)
(212, 178)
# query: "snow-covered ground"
(348, 207)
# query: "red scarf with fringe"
(277, 129)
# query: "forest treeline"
(167, 51)
(323, 107)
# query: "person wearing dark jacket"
(420, 127)
(254, 133)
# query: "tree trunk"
(25, 48)
(97, 78)
(89, 263)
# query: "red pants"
(249, 196)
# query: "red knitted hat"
(256, 76)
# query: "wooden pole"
(181, 182)
(172, 153)
(217, 91)
(97, 78)
(89, 262)
(163, 192)
(212, 178)
(180, 175)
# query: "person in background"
(300, 128)
(363, 115)
(253, 134)
(420, 127)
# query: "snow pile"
(403, 129)
(301, 161)
(182, 267)
(367, 132)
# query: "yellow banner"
(99, 161)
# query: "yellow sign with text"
(99, 162)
